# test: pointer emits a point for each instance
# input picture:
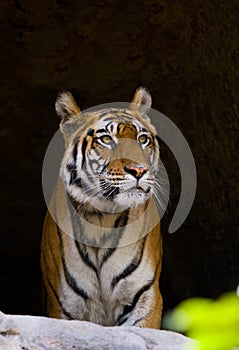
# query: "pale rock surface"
(40, 333)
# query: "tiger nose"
(136, 171)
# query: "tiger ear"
(69, 112)
(141, 101)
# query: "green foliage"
(215, 324)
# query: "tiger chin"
(101, 250)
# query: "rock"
(41, 333)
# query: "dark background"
(186, 53)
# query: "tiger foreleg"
(146, 312)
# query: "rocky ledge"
(41, 333)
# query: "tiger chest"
(110, 281)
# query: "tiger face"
(111, 156)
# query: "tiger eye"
(106, 139)
(143, 138)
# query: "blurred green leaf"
(215, 324)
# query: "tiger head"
(111, 155)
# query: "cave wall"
(186, 54)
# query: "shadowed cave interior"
(187, 56)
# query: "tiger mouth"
(113, 191)
(141, 188)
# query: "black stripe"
(85, 256)
(72, 166)
(143, 130)
(88, 174)
(121, 221)
(106, 256)
(77, 226)
(73, 207)
(131, 267)
(84, 145)
(104, 167)
(139, 319)
(83, 151)
(72, 283)
(76, 140)
(100, 131)
(74, 179)
(107, 126)
(128, 308)
(90, 132)
(78, 182)
(111, 192)
(69, 278)
(105, 113)
(75, 150)
(118, 127)
(66, 313)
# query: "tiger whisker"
(160, 187)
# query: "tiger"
(101, 248)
